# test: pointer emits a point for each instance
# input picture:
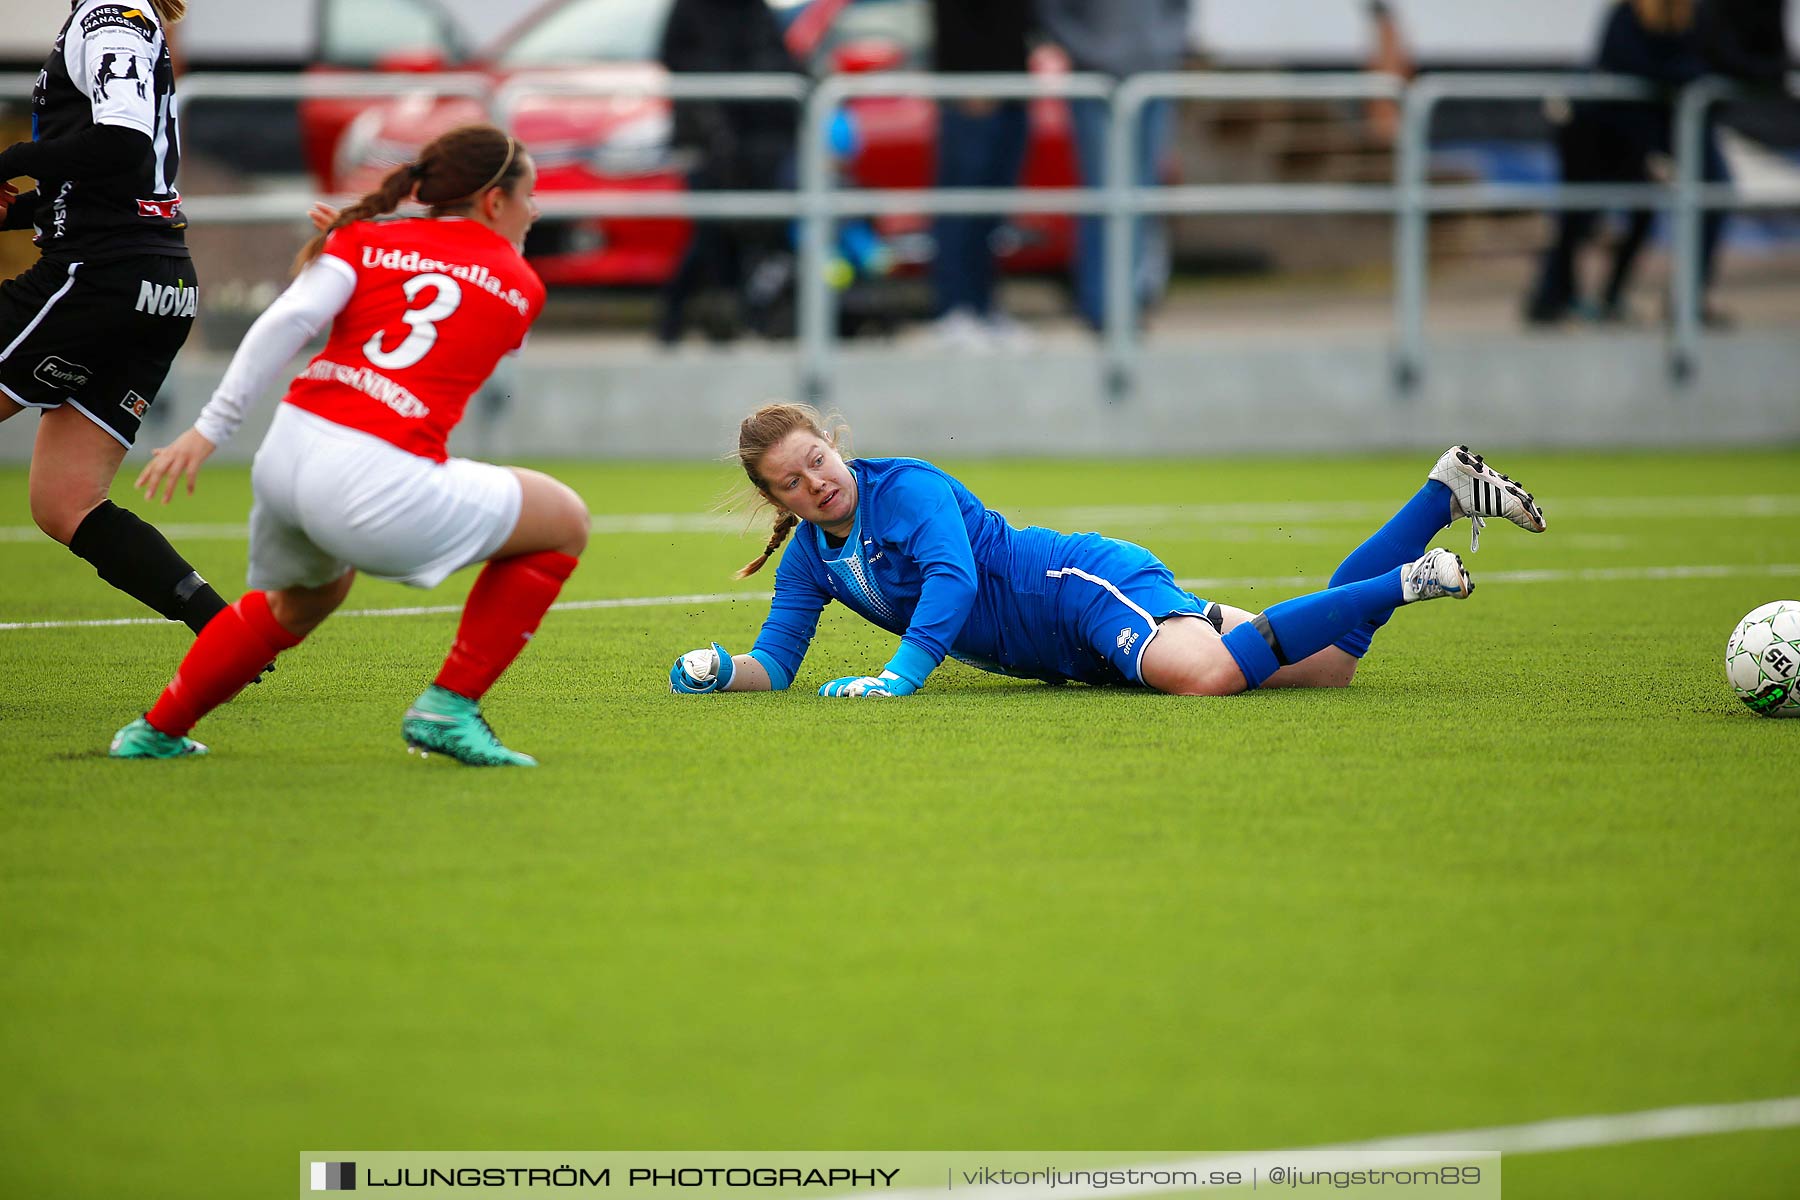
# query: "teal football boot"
(442, 722)
(140, 739)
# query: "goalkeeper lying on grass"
(908, 547)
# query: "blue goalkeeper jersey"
(926, 560)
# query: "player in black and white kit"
(87, 334)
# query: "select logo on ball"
(1763, 657)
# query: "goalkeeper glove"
(885, 684)
(904, 674)
(700, 671)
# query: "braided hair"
(757, 435)
(449, 175)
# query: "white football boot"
(1478, 492)
(1439, 573)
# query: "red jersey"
(437, 302)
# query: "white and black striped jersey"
(110, 66)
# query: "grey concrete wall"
(1203, 397)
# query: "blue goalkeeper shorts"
(1110, 595)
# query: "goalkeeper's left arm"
(715, 669)
(918, 513)
(786, 634)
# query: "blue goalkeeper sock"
(1299, 628)
(1405, 537)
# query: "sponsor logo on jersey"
(168, 300)
(414, 263)
(121, 69)
(59, 210)
(1128, 637)
(118, 16)
(61, 373)
(168, 210)
(135, 404)
(370, 383)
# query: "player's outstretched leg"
(235, 647)
(1187, 658)
(1404, 537)
(1296, 629)
(1460, 484)
(73, 463)
(1483, 492)
(504, 609)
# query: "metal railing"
(824, 204)
(1417, 201)
(770, 87)
(1126, 202)
(1686, 200)
(818, 202)
(1694, 199)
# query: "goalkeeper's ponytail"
(784, 525)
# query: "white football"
(1762, 659)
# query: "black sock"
(131, 555)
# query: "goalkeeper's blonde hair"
(760, 432)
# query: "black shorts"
(99, 335)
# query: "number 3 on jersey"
(423, 321)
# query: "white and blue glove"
(904, 675)
(885, 684)
(700, 671)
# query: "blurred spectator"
(860, 252)
(981, 144)
(742, 144)
(1746, 40)
(1119, 38)
(1606, 141)
(1388, 56)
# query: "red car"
(622, 143)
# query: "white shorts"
(328, 498)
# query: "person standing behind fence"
(1612, 141)
(87, 334)
(981, 144)
(746, 144)
(1746, 40)
(1119, 38)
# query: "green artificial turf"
(1537, 861)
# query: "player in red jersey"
(354, 473)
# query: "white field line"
(1293, 584)
(1103, 516)
(1421, 1149)
(431, 610)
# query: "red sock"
(504, 609)
(231, 651)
